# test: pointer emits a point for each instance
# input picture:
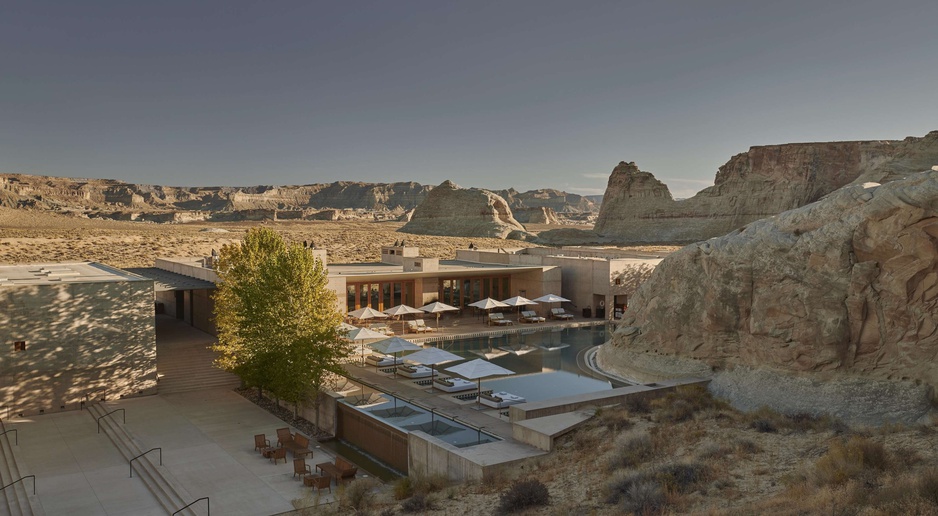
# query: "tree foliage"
(277, 320)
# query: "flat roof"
(353, 269)
(164, 280)
(69, 272)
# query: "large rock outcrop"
(638, 208)
(556, 200)
(831, 307)
(451, 210)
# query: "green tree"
(277, 320)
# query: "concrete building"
(69, 331)
(597, 281)
(401, 277)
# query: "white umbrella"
(550, 299)
(394, 345)
(519, 302)
(435, 308)
(477, 370)
(363, 334)
(401, 310)
(368, 313)
(488, 304)
(432, 357)
(346, 327)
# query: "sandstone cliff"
(838, 298)
(450, 210)
(540, 215)
(556, 200)
(760, 183)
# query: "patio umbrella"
(551, 299)
(519, 302)
(346, 327)
(488, 304)
(435, 308)
(394, 345)
(477, 370)
(368, 313)
(363, 334)
(402, 310)
(432, 357)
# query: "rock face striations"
(451, 210)
(831, 307)
(760, 183)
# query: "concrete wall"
(80, 338)
(191, 267)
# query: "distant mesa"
(765, 181)
(450, 210)
(828, 308)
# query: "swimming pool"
(544, 362)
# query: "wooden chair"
(261, 443)
(284, 437)
(277, 454)
(301, 468)
(300, 446)
(319, 482)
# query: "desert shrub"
(638, 404)
(621, 481)
(417, 503)
(403, 488)
(851, 459)
(632, 449)
(644, 497)
(746, 447)
(928, 486)
(683, 403)
(713, 450)
(523, 495)
(387, 511)
(614, 420)
(681, 476)
(358, 495)
(764, 426)
(430, 484)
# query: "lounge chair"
(299, 446)
(418, 371)
(284, 437)
(559, 313)
(453, 384)
(261, 443)
(301, 468)
(381, 328)
(498, 319)
(500, 400)
(383, 360)
(422, 326)
(529, 316)
(277, 454)
(414, 327)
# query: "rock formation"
(760, 183)
(556, 200)
(540, 215)
(838, 298)
(451, 210)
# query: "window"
(618, 281)
(417, 264)
(19, 345)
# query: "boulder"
(450, 210)
(767, 180)
(838, 298)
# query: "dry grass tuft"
(849, 460)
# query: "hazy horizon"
(495, 95)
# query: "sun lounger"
(383, 361)
(414, 327)
(381, 328)
(422, 326)
(418, 371)
(530, 316)
(340, 470)
(500, 399)
(498, 319)
(453, 384)
(559, 313)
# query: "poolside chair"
(559, 313)
(381, 328)
(530, 316)
(498, 319)
(261, 443)
(301, 468)
(417, 326)
(423, 326)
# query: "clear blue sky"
(530, 94)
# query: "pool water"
(544, 362)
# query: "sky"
(523, 94)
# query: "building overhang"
(164, 280)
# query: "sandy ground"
(41, 237)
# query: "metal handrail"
(208, 503)
(141, 455)
(20, 480)
(87, 398)
(124, 413)
(17, 434)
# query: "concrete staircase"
(18, 498)
(170, 494)
(190, 367)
